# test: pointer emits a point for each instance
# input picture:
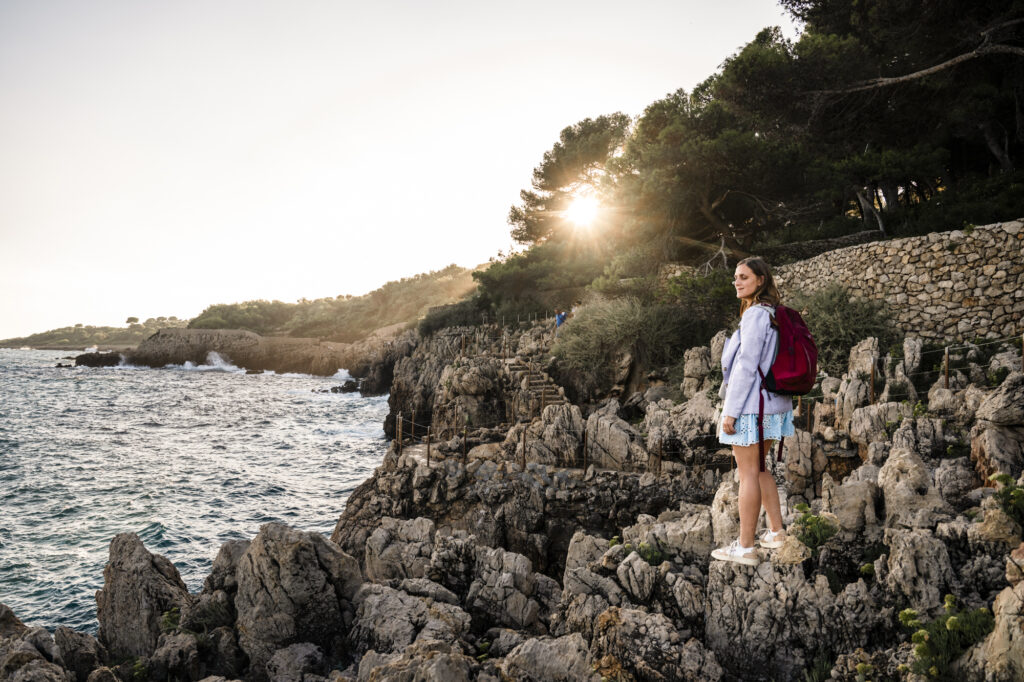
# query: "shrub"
(600, 332)
(940, 642)
(813, 531)
(1009, 496)
(651, 555)
(463, 313)
(840, 322)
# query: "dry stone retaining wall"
(949, 285)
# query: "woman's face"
(746, 282)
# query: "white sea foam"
(214, 363)
(342, 374)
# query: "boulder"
(779, 618)
(804, 465)
(686, 430)
(911, 499)
(875, 423)
(388, 620)
(10, 626)
(32, 656)
(222, 574)
(583, 549)
(422, 587)
(955, 479)
(138, 587)
(507, 592)
(399, 549)
(637, 577)
(853, 502)
(293, 586)
(544, 659)
(1005, 405)
(687, 534)
(696, 369)
(1000, 656)
(647, 646)
(612, 443)
(296, 663)
(426, 661)
(725, 519)
(82, 653)
(176, 658)
(997, 449)
(863, 357)
(918, 569)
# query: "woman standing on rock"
(752, 347)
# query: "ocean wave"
(214, 363)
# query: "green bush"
(651, 555)
(461, 314)
(599, 332)
(813, 531)
(840, 322)
(941, 641)
(1010, 497)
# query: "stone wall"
(950, 285)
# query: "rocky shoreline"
(535, 540)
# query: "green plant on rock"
(839, 322)
(939, 642)
(140, 671)
(1009, 496)
(169, 620)
(651, 555)
(616, 540)
(864, 670)
(996, 376)
(920, 409)
(868, 571)
(812, 530)
(820, 669)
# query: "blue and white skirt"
(776, 426)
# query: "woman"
(751, 348)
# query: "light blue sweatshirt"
(751, 346)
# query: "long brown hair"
(767, 292)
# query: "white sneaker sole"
(774, 544)
(725, 556)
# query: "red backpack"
(794, 369)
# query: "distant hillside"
(84, 336)
(345, 318)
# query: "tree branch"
(878, 83)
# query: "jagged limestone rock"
(997, 449)
(545, 659)
(399, 549)
(293, 586)
(649, 647)
(82, 653)
(684, 430)
(1000, 656)
(955, 479)
(853, 502)
(388, 620)
(911, 499)
(686, 534)
(613, 443)
(506, 591)
(138, 587)
(874, 423)
(422, 661)
(584, 549)
(725, 520)
(637, 577)
(297, 663)
(222, 575)
(696, 368)
(766, 622)
(918, 568)
(1005, 405)
(176, 658)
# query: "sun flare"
(583, 211)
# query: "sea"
(188, 457)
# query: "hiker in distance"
(752, 416)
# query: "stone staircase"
(533, 389)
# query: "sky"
(157, 158)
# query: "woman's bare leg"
(747, 464)
(770, 500)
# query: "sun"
(583, 211)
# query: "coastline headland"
(524, 537)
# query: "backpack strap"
(760, 424)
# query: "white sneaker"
(770, 540)
(741, 555)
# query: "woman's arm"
(743, 377)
